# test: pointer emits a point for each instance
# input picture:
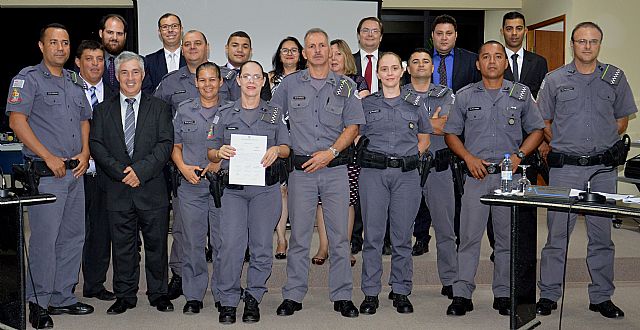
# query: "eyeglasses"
(583, 42)
(166, 27)
(292, 51)
(371, 31)
(251, 77)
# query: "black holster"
(424, 167)
(457, 170)
(442, 159)
(216, 187)
(174, 178)
(25, 174)
(617, 154)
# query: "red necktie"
(368, 71)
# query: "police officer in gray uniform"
(50, 114)
(586, 106)
(492, 113)
(250, 212)
(193, 125)
(324, 114)
(397, 130)
(174, 88)
(438, 190)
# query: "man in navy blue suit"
(168, 58)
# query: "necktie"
(368, 71)
(514, 67)
(129, 126)
(94, 97)
(442, 70)
(112, 72)
(172, 62)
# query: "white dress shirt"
(520, 59)
(99, 90)
(124, 105)
(167, 57)
(374, 68)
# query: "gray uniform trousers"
(440, 198)
(600, 249)
(55, 245)
(249, 216)
(392, 194)
(177, 250)
(198, 214)
(332, 185)
(473, 222)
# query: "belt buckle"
(583, 160)
(492, 169)
(394, 162)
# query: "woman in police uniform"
(193, 126)
(397, 131)
(250, 213)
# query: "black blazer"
(356, 57)
(534, 69)
(465, 71)
(155, 67)
(153, 145)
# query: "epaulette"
(169, 74)
(75, 78)
(344, 88)
(612, 75)
(226, 106)
(271, 115)
(185, 101)
(229, 74)
(412, 98)
(519, 91)
(26, 70)
(438, 91)
(467, 87)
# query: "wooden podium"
(12, 261)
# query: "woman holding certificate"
(193, 125)
(398, 130)
(250, 207)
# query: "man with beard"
(113, 34)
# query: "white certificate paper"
(245, 167)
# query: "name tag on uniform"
(299, 97)
(564, 89)
(189, 122)
(474, 108)
(231, 128)
(374, 111)
(53, 93)
(180, 92)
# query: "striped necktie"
(111, 69)
(94, 97)
(130, 126)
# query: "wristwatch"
(521, 154)
(334, 151)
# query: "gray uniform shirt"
(266, 120)
(393, 124)
(436, 96)
(584, 108)
(493, 127)
(55, 106)
(317, 116)
(177, 86)
(192, 127)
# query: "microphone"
(591, 197)
(4, 192)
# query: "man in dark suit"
(168, 58)
(131, 140)
(370, 31)
(96, 253)
(113, 34)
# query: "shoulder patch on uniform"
(519, 91)
(17, 83)
(412, 98)
(439, 91)
(14, 97)
(612, 75)
(271, 116)
(344, 88)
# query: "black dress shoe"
(369, 305)
(163, 304)
(39, 317)
(227, 315)
(402, 304)
(192, 307)
(101, 295)
(460, 306)
(346, 308)
(175, 287)
(502, 305)
(447, 290)
(607, 309)
(392, 295)
(251, 312)
(119, 307)
(356, 248)
(75, 309)
(218, 306)
(288, 307)
(544, 306)
(386, 249)
(420, 247)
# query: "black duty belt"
(41, 169)
(377, 160)
(556, 159)
(492, 168)
(270, 178)
(299, 160)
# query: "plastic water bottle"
(505, 174)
